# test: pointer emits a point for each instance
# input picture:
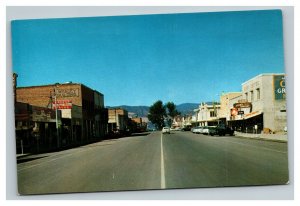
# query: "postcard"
(150, 102)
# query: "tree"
(172, 112)
(157, 114)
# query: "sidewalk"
(22, 155)
(267, 137)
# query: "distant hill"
(142, 111)
(187, 108)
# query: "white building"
(226, 104)
(262, 105)
(187, 121)
(207, 114)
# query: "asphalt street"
(156, 161)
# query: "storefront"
(36, 128)
(250, 123)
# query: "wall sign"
(279, 87)
(67, 92)
(62, 104)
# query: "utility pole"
(56, 118)
(56, 115)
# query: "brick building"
(117, 120)
(141, 124)
(35, 128)
(83, 116)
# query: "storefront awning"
(248, 116)
(252, 114)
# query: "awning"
(251, 114)
(248, 116)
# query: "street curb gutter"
(23, 156)
(264, 139)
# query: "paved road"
(156, 161)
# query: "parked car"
(205, 130)
(166, 130)
(222, 130)
(196, 130)
(199, 130)
(186, 128)
(208, 129)
(176, 129)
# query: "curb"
(263, 139)
(22, 156)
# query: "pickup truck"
(221, 130)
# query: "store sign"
(42, 114)
(279, 87)
(241, 112)
(62, 104)
(234, 112)
(242, 105)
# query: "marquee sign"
(279, 87)
(242, 104)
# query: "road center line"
(162, 165)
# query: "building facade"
(83, 116)
(36, 128)
(226, 105)
(262, 106)
(259, 108)
(117, 120)
(208, 114)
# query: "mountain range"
(142, 111)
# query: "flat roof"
(264, 74)
(65, 83)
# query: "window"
(257, 93)
(251, 96)
(212, 114)
(246, 96)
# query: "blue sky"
(137, 60)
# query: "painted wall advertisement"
(279, 87)
(62, 104)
